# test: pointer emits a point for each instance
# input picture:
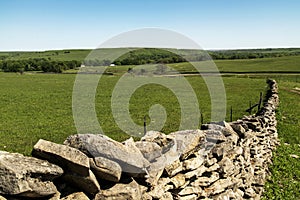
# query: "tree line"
(148, 56)
(250, 54)
(38, 64)
(156, 56)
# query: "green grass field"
(40, 106)
(267, 65)
(37, 105)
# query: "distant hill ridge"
(60, 60)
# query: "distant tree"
(13, 66)
(1, 65)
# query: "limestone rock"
(167, 196)
(210, 162)
(219, 186)
(222, 184)
(131, 191)
(159, 138)
(55, 196)
(27, 176)
(76, 196)
(189, 197)
(213, 167)
(178, 180)
(238, 128)
(159, 190)
(196, 173)
(146, 196)
(88, 184)
(174, 168)
(228, 194)
(191, 190)
(67, 157)
(193, 163)
(188, 141)
(168, 161)
(227, 167)
(215, 136)
(150, 150)
(130, 159)
(106, 169)
(206, 181)
(250, 192)
(154, 173)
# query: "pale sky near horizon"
(213, 24)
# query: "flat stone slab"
(27, 176)
(67, 157)
(130, 159)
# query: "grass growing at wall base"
(284, 182)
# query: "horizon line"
(208, 49)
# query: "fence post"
(260, 101)
(145, 124)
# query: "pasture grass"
(267, 65)
(36, 105)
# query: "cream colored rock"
(174, 168)
(206, 181)
(227, 167)
(189, 190)
(68, 158)
(189, 197)
(76, 196)
(228, 194)
(126, 155)
(222, 184)
(131, 191)
(196, 173)
(27, 176)
(178, 180)
(167, 196)
(188, 142)
(2, 198)
(193, 163)
(106, 169)
(163, 140)
(163, 185)
(150, 150)
(213, 168)
(88, 184)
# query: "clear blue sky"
(213, 24)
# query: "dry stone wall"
(220, 161)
